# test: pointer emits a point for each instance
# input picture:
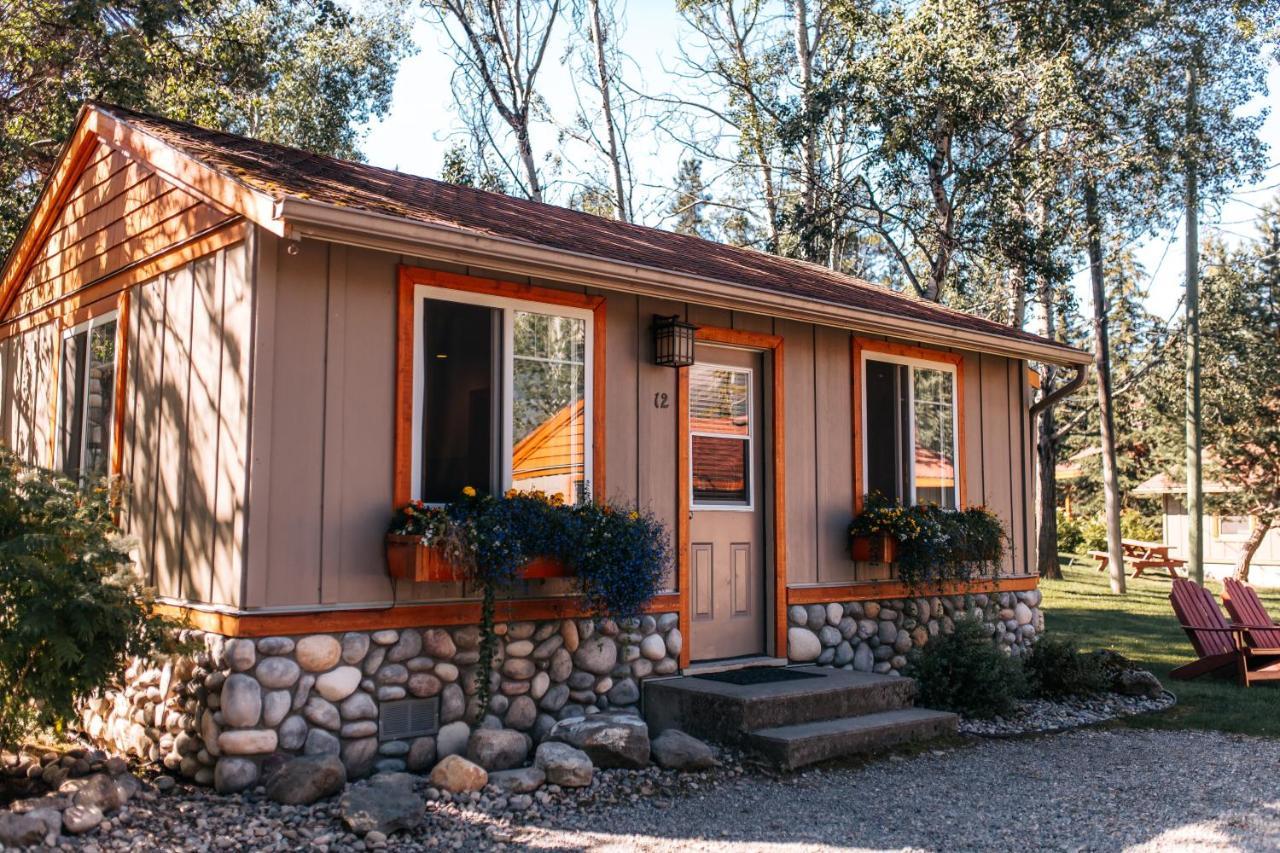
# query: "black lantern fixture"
(672, 341)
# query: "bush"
(1070, 534)
(71, 610)
(1055, 668)
(964, 672)
(1089, 533)
(934, 543)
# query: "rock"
(385, 637)
(358, 755)
(453, 703)
(20, 830)
(446, 672)
(105, 792)
(803, 645)
(609, 739)
(555, 698)
(815, 617)
(1138, 682)
(561, 665)
(241, 701)
(624, 692)
(302, 692)
(302, 781)
(381, 808)
(292, 733)
(675, 750)
(498, 749)
(871, 609)
(829, 636)
(597, 655)
(277, 673)
(422, 754)
(320, 742)
(318, 652)
(521, 713)
(867, 628)
(797, 615)
(843, 654)
(887, 631)
(457, 775)
(675, 642)
(519, 649)
(864, 659)
(653, 647)
(323, 713)
(358, 706)
(835, 612)
(354, 647)
(452, 739)
(902, 642)
(439, 644)
(359, 728)
(240, 654)
(519, 668)
(392, 673)
(248, 741)
(232, 775)
(1022, 613)
(564, 765)
(524, 780)
(408, 646)
(275, 707)
(338, 684)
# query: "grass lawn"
(1141, 626)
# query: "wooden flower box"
(408, 558)
(880, 548)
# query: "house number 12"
(661, 401)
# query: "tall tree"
(601, 26)
(309, 73)
(688, 200)
(499, 47)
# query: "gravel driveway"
(1090, 790)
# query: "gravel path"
(1089, 790)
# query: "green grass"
(1141, 626)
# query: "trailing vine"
(934, 544)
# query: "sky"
(416, 132)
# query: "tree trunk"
(1047, 563)
(1106, 413)
(809, 156)
(1251, 545)
(619, 190)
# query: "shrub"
(71, 610)
(964, 672)
(1070, 534)
(1055, 668)
(1092, 530)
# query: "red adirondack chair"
(1246, 608)
(1218, 643)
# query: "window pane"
(935, 463)
(548, 402)
(720, 467)
(99, 408)
(73, 356)
(458, 435)
(719, 400)
(887, 423)
(1234, 525)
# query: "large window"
(86, 407)
(910, 447)
(502, 395)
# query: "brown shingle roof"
(283, 172)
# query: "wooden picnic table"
(1142, 556)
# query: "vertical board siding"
(656, 428)
(233, 426)
(996, 443)
(171, 453)
(801, 453)
(833, 460)
(627, 328)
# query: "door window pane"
(458, 414)
(935, 463)
(720, 430)
(548, 404)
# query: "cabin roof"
(259, 178)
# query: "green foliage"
(1070, 534)
(1056, 669)
(1089, 533)
(934, 544)
(965, 672)
(72, 610)
(309, 73)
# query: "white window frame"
(1232, 537)
(508, 306)
(914, 363)
(70, 332)
(750, 438)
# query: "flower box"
(880, 548)
(408, 558)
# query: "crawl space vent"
(408, 718)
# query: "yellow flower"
(469, 491)
(634, 515)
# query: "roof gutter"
(1082, 373)
(304, 218)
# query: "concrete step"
(808, 743)
(726, 713)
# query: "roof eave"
(319, 220)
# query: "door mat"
(757, 675)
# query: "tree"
(309, 74)
(689, 198)
(601, 25)
(499, 47)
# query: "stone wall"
(875, 636)
(234, 705)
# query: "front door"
(727, 497)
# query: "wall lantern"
(672, 341)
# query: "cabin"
(275, 350)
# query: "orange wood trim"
(858, 347)
(898, 589)
(403, 616)
(402, 485)
(123, 306)
(409, 277)
(80, 150)
(1034, 379)
(143, 269)
(754, 340)
(683, 510)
